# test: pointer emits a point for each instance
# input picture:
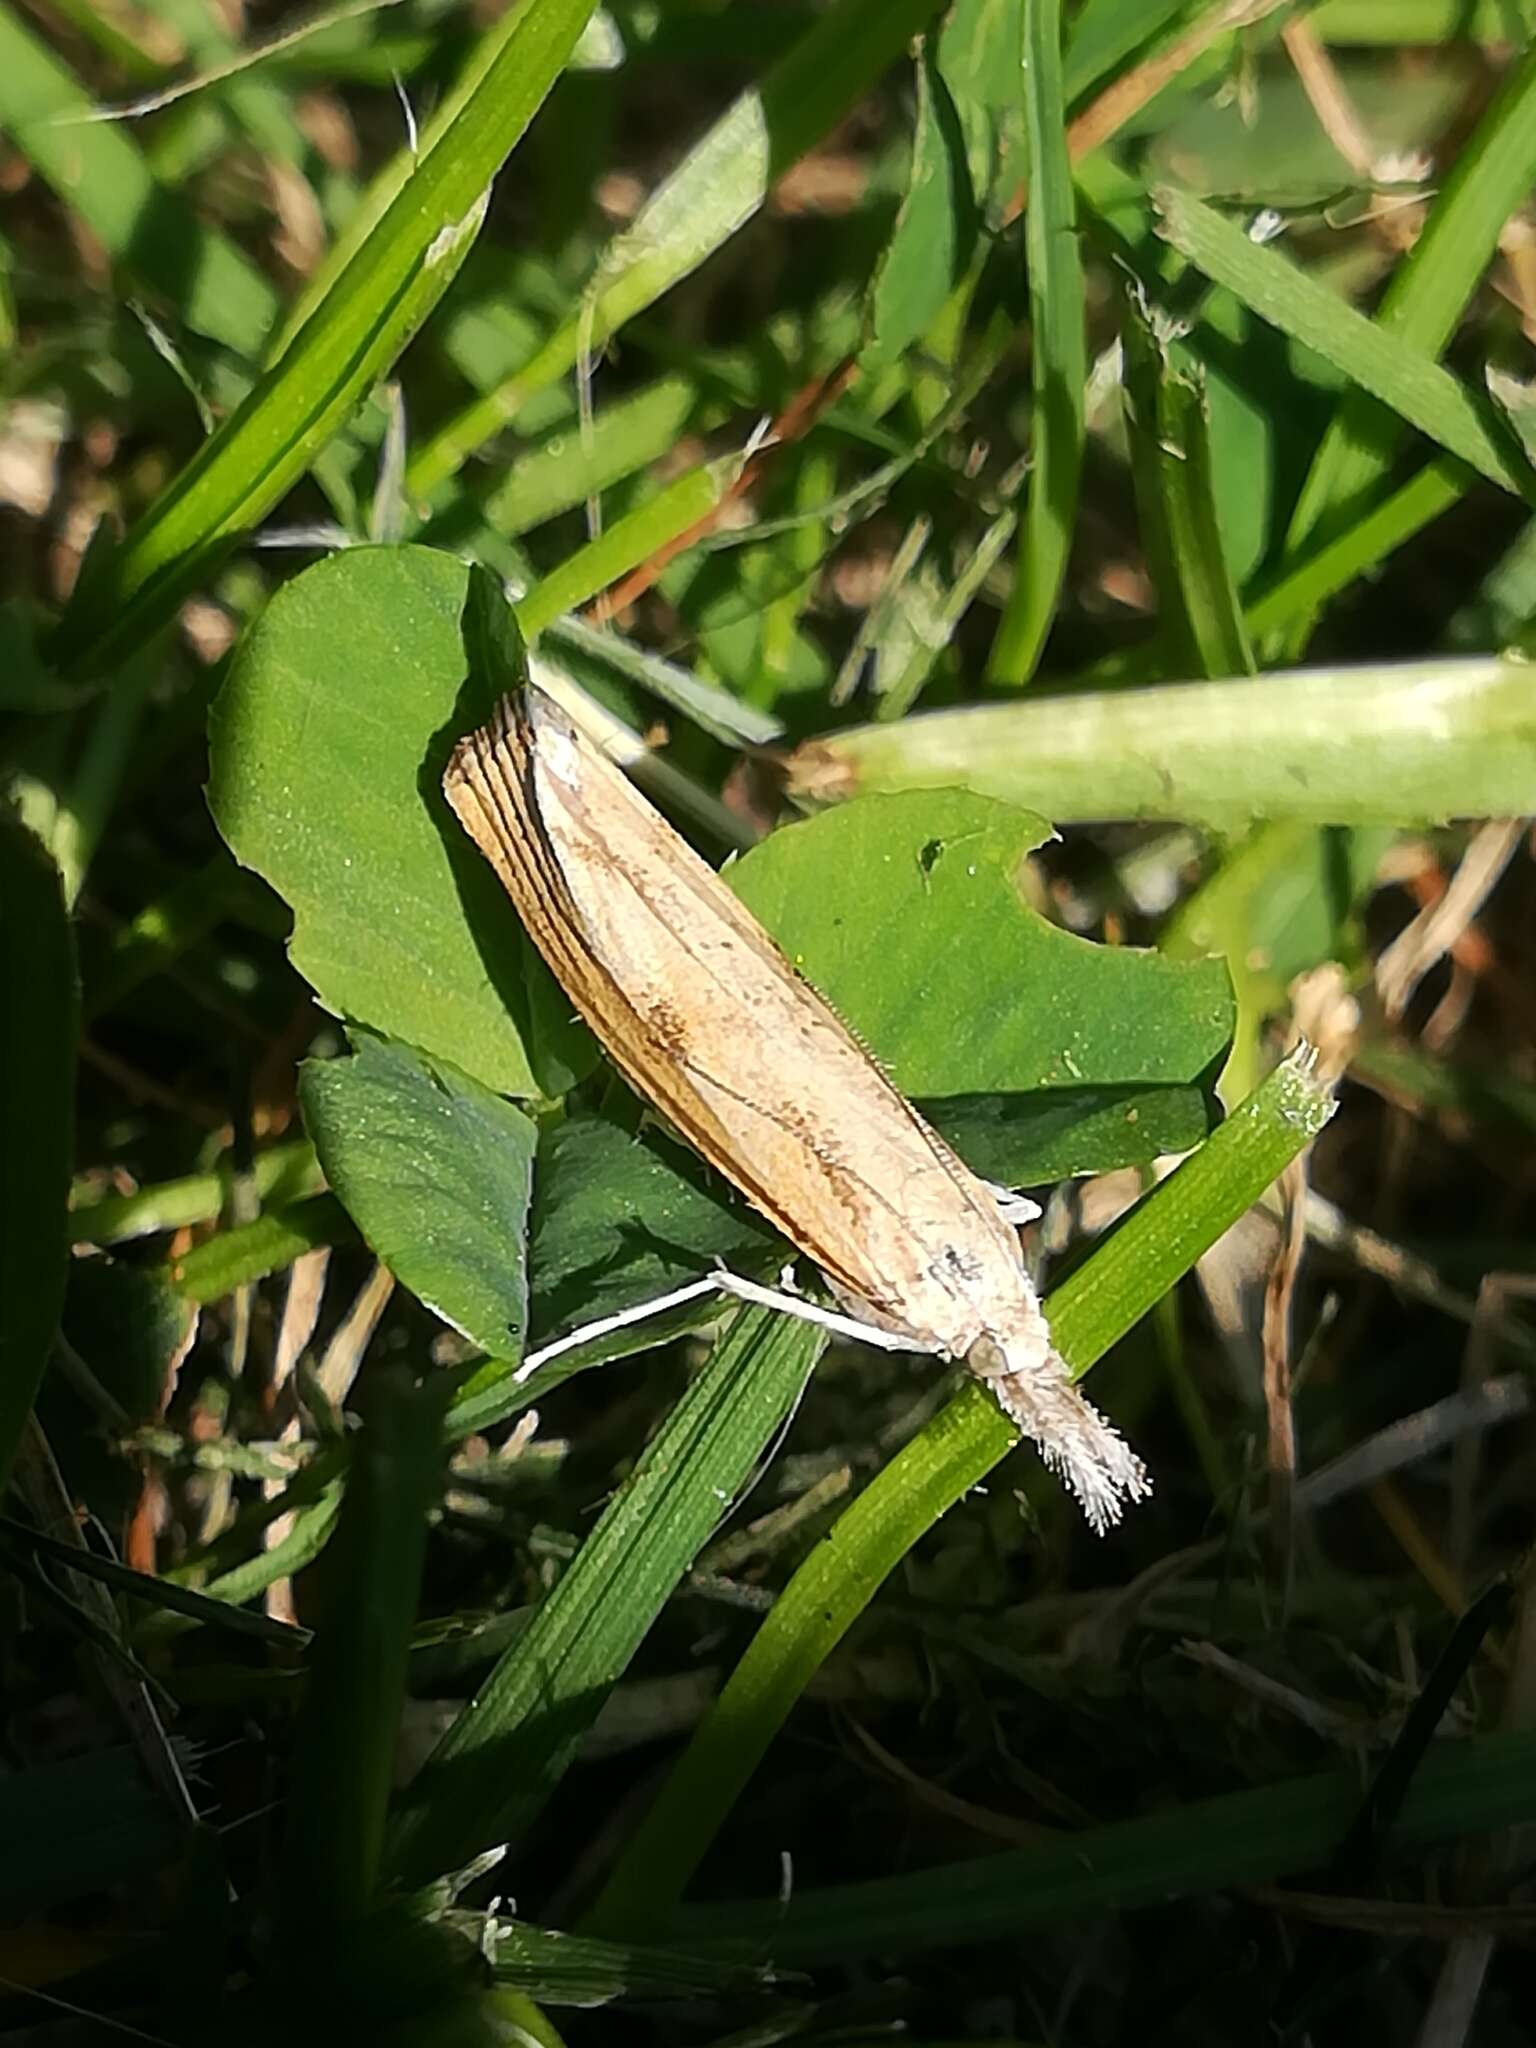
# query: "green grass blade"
(1310, 575)
(503, 1756)
(1490, 176)
(569, 466)
(395, 278)
(281, 1174)
(149, 230)
(250, 1251)
(1058, 357)
(1240, 1838)
(39, 1023)
(1366, 22)
(565, 1969)
(1380, 362)
(631, 540)
(1168, 427)
(344, 1763)
(1445, 739)
(1157, 1243)
(716, 189)
(160, 1594)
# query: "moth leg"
(621, 1319)
(720, 1282)
(1013, 1207)
(812, 1312)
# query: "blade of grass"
(149, 230)
(565, 469)
(1158, 1242)
(1368, 22)
(39, 1021)
(503, 1756)
(675, 509)
(157, 1593)
(1380, 362)
(1058, 357)
(395, 278)
(1302, 585)
(280, 1175)
(1445, 739)
(1492, 174)
(344, 1764)
(252, 1250)
(1107, 34)
(1240, 1838)
(716, 189)
(1168, 428)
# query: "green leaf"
(372, 308)
(620, 1217)
(1160, 1240)
(1445, 739)
(936, 227)
(327, 744)
(1168, 426)
(436, 1172)
(570, 465)
(39, 1021)
(503, 1756)
(1400, 375)
(1036, 1053)
(1058, 357)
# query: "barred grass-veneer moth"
(696, 1006)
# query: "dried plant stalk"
(705, 1017)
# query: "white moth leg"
(1014, 1208)
(622, 1319)
(811, 1312)
(715, 1283)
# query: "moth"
(707, 1020)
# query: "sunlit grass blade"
(1446, 739)
(280, 1174)
(393, 281)
(1492, 174)
(503, 1756)
(1309, 575)
(1168, 427)
(1103, 1299)
(1058, 357)
(656, 524)
(1403, 377)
